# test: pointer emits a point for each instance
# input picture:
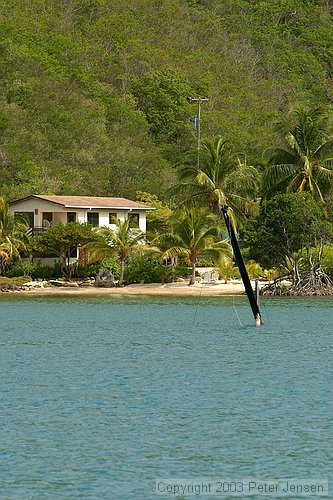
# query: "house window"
(26, 216)
(134, 220)
(112, 217)
(71, 216)
(93, 218)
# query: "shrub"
(35, 271)
(254, 269)
(9, 284)
(20, 280)
(4, 280)
(271, 274)
(144, 269)
(46, 272)
(38, 271)
(227, 269)
(328, 260)
(183, 271)
(85, 270)
(21, 269)
(112, 265)
(91, 270)
(201, 262)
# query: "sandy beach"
(234, 287)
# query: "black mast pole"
(241, 266)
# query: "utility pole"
(196, 119)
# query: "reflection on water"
(100, 397)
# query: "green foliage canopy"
(193, 232)
(220, 179)
(286, 226)
(13, 236)
(63, 241)
(121, 242)
(307, 164)
(93, 93)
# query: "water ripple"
(101, 396)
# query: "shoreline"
(152, 289)
(216, 289)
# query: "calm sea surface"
(101, 397)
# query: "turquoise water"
(100, 397)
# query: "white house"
(43, 211)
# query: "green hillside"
(93, 92)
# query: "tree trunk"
(322, 279)
(68, 265)
(122, 273)
(296, 279)
(174, 264)
(320, 254)
(192, 280)
(64, 266)
(312, 273)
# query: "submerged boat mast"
(241, 266)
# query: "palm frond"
(308, 163)
(278, 156)
(204, 180)
(220, 176)
(324, 151)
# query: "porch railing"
(32, 231)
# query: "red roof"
(89, 202)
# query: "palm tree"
(13, 235)
(307, 162)
(227, 269)
(220, 179)
(254, 270)
(122, 242)
(193, 233)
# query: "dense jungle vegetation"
(96, 100)
(93, 92)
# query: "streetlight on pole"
(196, 119)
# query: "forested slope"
(93, 92)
